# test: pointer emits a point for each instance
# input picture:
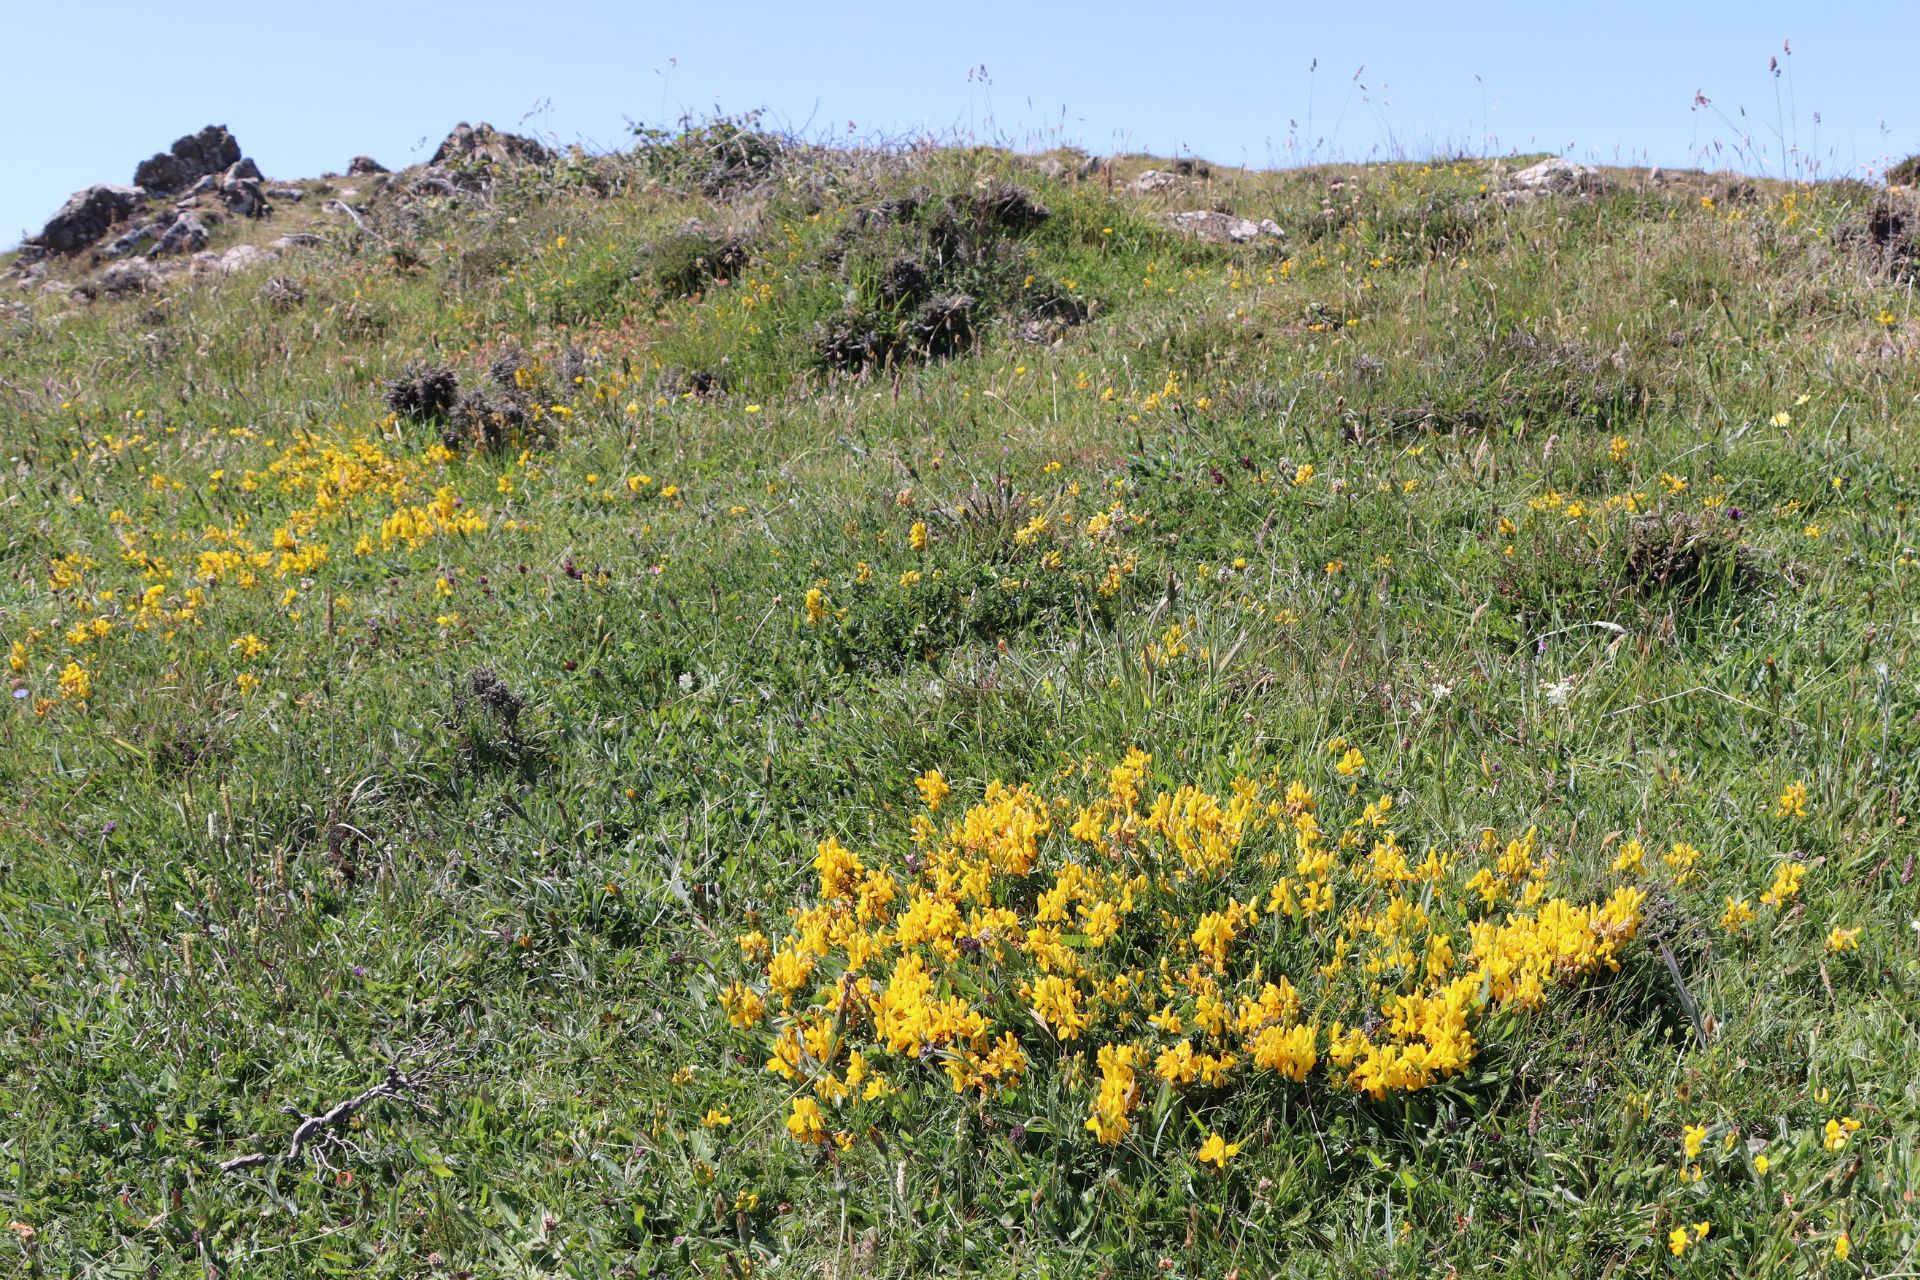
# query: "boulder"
(1225, 228)
(1154, 180)
(86, 216)
(362, 165)
(128, 277)
(1556, 175)
(190, 159)
(1068, 162)
(187, 235)
(241, 257)
(131, 240)
(283, 293)
(482, 144)
(240, 190)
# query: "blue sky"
(307, 87)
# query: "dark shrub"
(943, 326)
(423, 392)
(685, 263)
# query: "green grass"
(220, 901)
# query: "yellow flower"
(806, 1124)
(716, 1118)
(75, 684)
(1761, 1164)
(1677, 1241)
(1216, 1151)
(1786, 884)
(1350, 763)
(933, 788)
(1737, 915)
(1303, 475)
(1691, 1139)
(1793, 801)
(249, 645)
(1839, 940)
(816, 606)
(1682, 858)
(247, 681)
(1842, 1246)
(1836, 1132)
(917, 535)
(744, 1008)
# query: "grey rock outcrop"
(87, 215)
(1225, 228)
(361, 166)
(239, 258)
(240, 190)
(187, 235)
(129, 277)
(191, 158)
(1555, 175)
(131, 240)
(482, 144)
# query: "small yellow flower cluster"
(1834, 1136)
(1130, 930)
(1682, 1238)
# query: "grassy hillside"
(778, 713)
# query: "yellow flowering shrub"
(1132, 935)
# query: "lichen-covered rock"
(187, 235)
(191, 158)
(130, 276)
(132, 239)
(240, 258)
(482, 144)
(86, 216)
(1555, 175)
(1225, 228)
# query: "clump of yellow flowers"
(1132, 935)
